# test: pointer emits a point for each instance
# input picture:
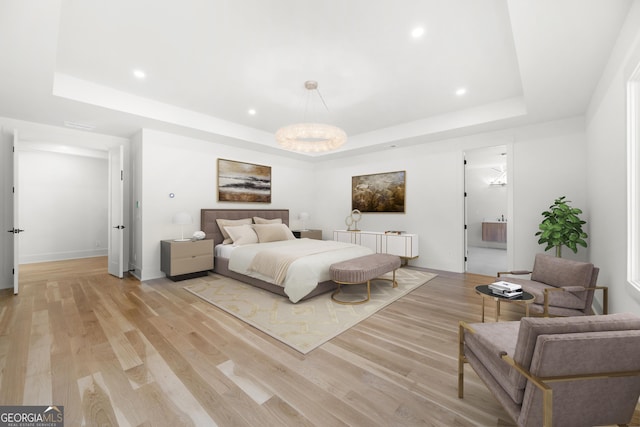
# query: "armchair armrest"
(514, 272)
(604, 289)
(547, 394)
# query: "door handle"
(120, 227)
(15, 231)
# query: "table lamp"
(304, 216)
(182, 218)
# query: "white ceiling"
(209, 61)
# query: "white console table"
(404, 245)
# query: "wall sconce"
(182, 218)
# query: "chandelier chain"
(306, 107)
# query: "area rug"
(308, 324)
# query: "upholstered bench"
(362, 270)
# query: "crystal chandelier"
(311, 137)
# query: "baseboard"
(62, 256)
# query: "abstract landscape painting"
(243, 182)
(381, 192)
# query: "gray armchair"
(574, 371)
(561, 287)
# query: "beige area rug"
(307, 324)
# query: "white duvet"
(303, 274)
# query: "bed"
(296, 285)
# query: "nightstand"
(184, 260)
(309, 234)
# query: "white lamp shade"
(303, 216)
(182, 218)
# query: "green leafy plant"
(562, 226)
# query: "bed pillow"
(222, 223)
(242, 234)
(273, 232)
(259, 220)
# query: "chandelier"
(311, 137)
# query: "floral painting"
(381, 192)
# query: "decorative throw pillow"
(242, 234)
(259, 220)
(273, 232)
(222, 223)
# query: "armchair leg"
(461, 361)
(547, 405)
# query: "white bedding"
(304, 273)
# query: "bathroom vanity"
(494, 231)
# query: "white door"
(16, 214)
(466, 226)
(116, 211)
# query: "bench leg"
(338, 291)
(393, 281)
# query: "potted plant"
(562, 226)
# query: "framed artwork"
(243, 182)
(380, 192)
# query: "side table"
(309, 234)
(525, 299)
(183, 260)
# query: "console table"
(403, 245)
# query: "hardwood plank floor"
(120, 352)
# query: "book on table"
(505, 289)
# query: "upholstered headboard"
(210, 226)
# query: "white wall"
(607, 158)
(188, 168)
(63, 206)
(184, 166)
(548, 161)
(433, 202)
(164, 163)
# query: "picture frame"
(243, 182)
(379, 192)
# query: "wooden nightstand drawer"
(191, 264)
(182, 258)
(181, 250)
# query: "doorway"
(486, 210)
(63, 203)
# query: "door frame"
(510, 210)
(14, 200)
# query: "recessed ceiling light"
(139, 74)
(252, 112)
(461, 91)
(417, 32)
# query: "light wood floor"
(118, 352)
